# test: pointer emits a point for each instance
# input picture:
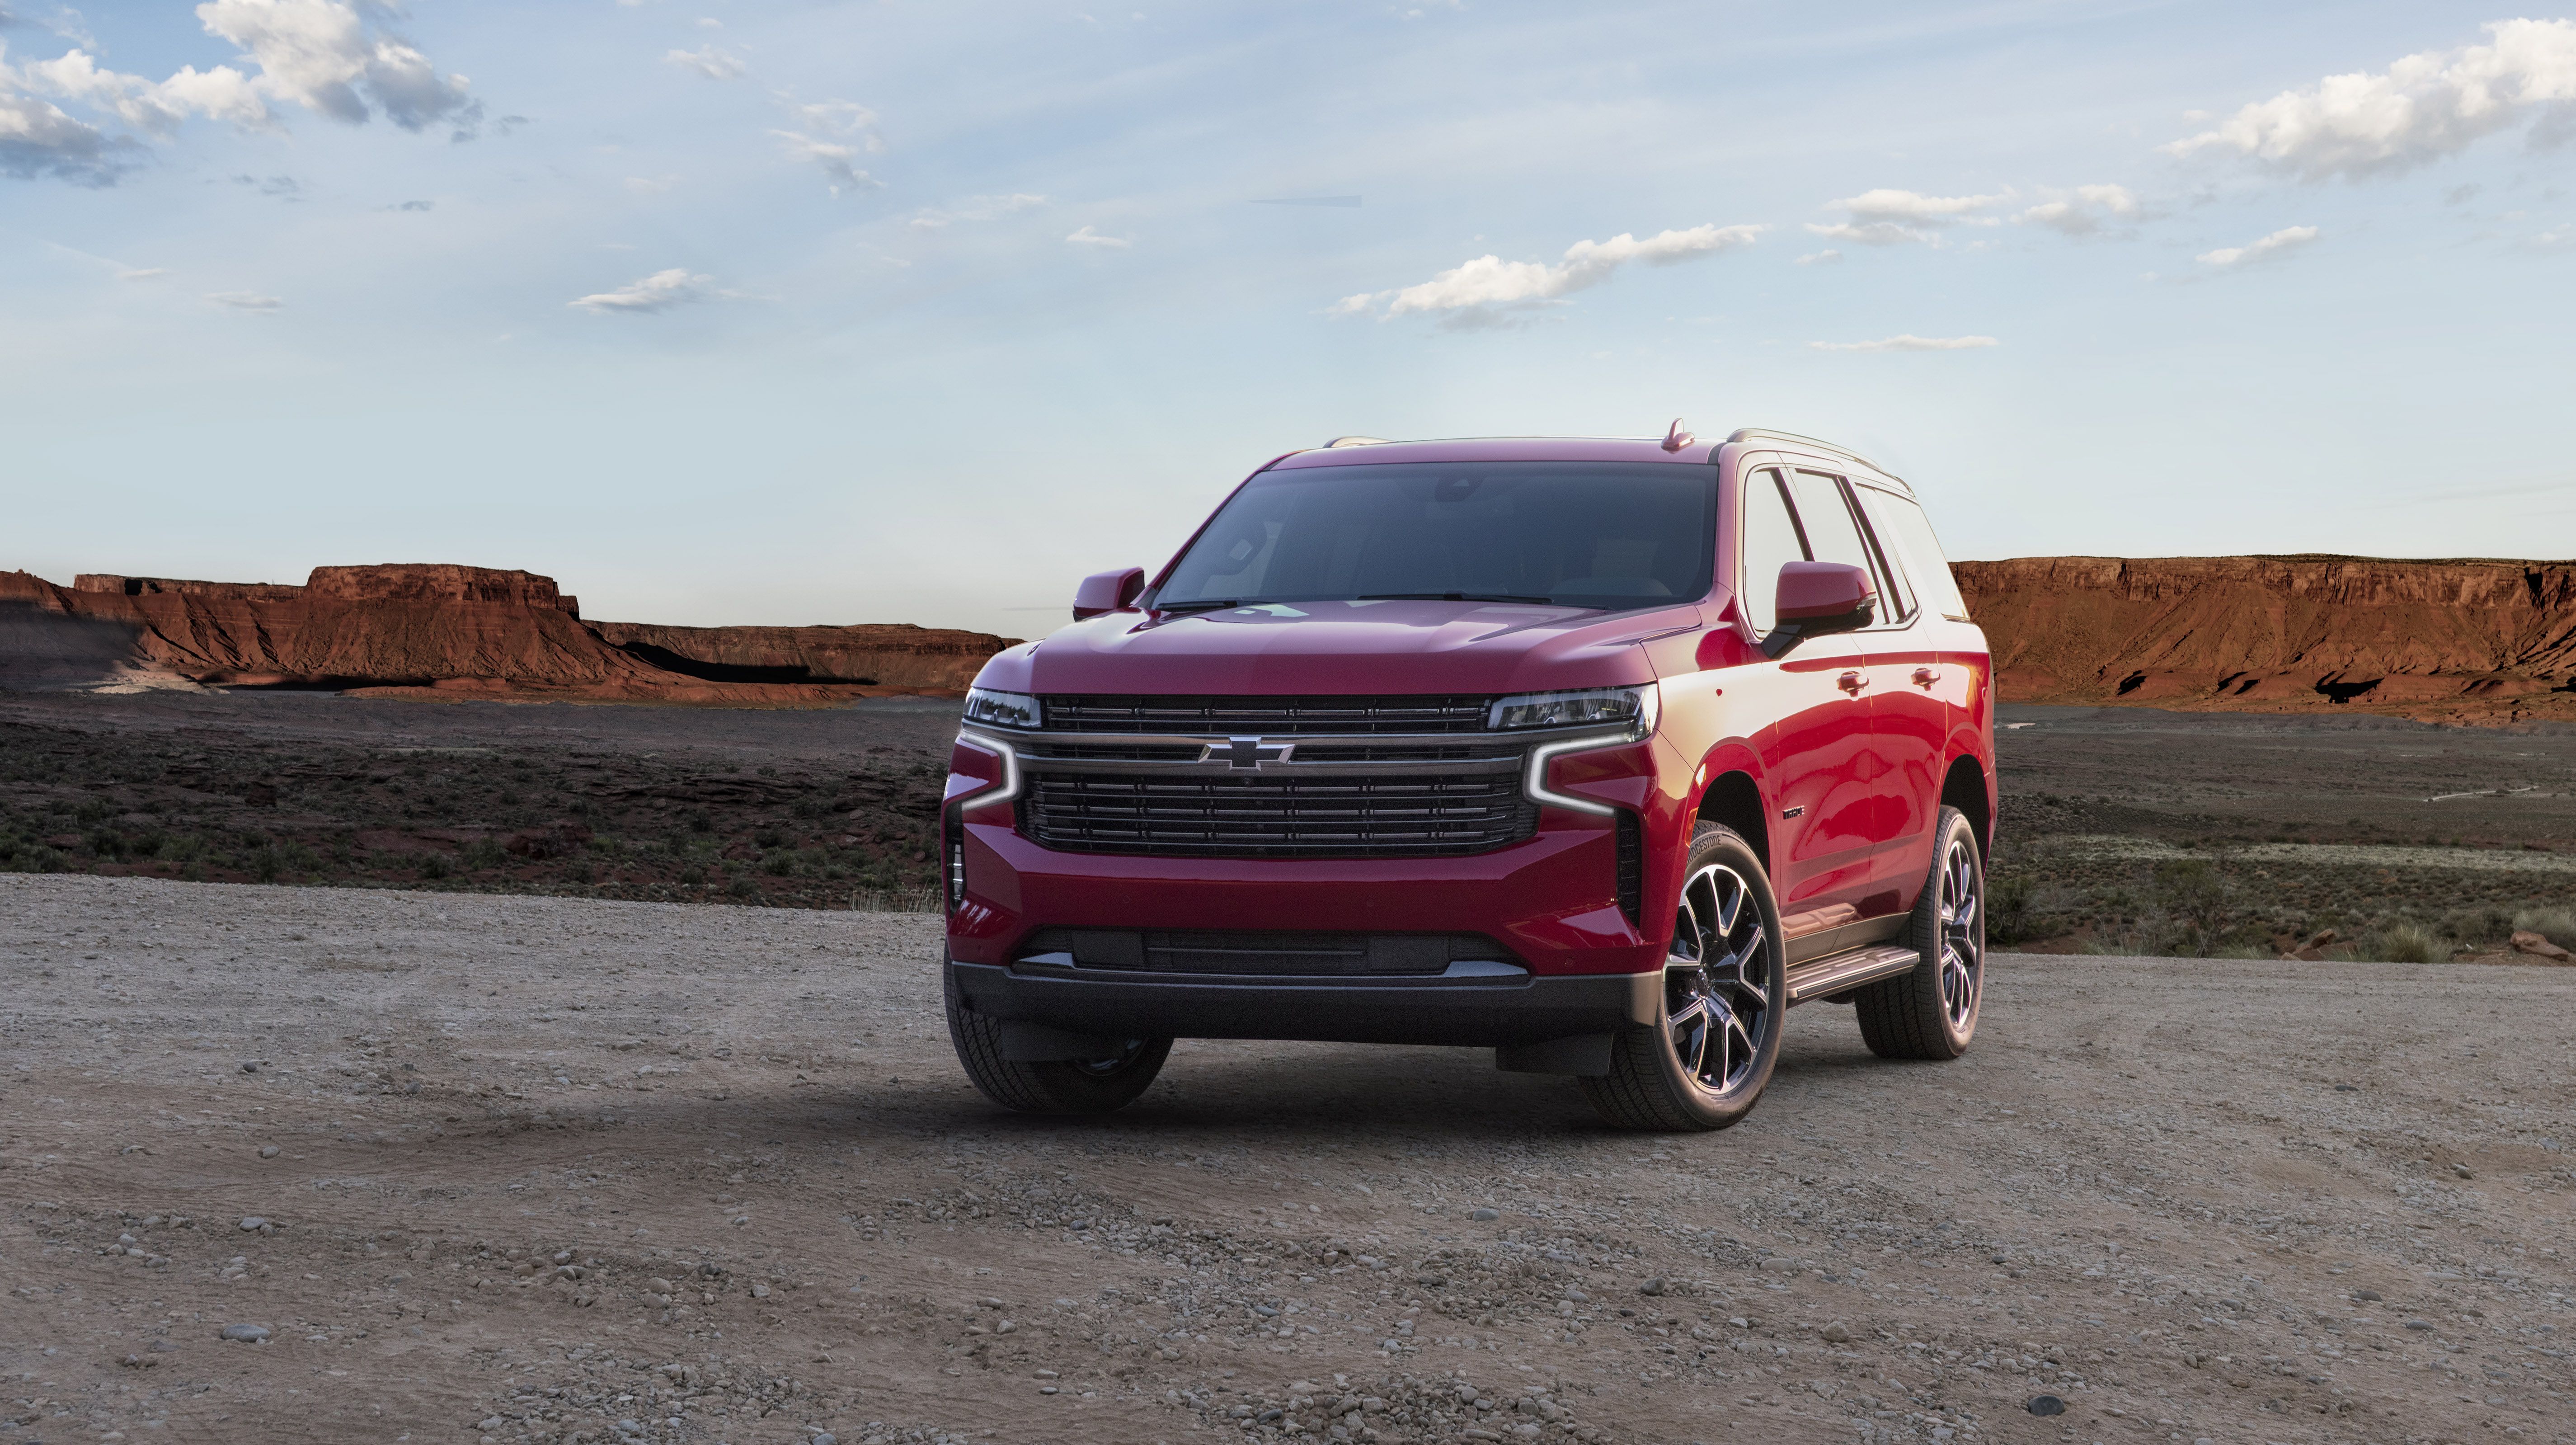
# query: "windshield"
(1577, 534)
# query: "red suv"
(1598, 753)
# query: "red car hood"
(1347, 648)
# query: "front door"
(1819, 760)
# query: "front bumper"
(1479, 1011)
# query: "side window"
(1770, 543)
(1901, 522)
(1895, 580)
(1833, 535)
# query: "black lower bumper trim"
(1396, 1010)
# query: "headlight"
(1597, 707)
(1001, 709)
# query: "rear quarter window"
(1901, 523)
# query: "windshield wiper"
(1445, 597)
(1204, 604)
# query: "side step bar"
(1843, 971)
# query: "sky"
(722, 311)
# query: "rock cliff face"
(445, 631)
(2474, 641)
(889, 655)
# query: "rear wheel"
(1707, 1062)
(1931, 1013)
(1085, 1086)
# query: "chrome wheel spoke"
(1719, 989)
(1962, 939)
(1690, 1035)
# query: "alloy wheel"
(1963, 935)
(1718, 990)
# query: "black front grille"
(1303, 716)
(1272, 815)
(1160, 951)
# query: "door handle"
(1925, 677)
(1851, 682)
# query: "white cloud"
(1821, 258)
(1884, 204)
(1473, 293)
(708, 61)
(975, 208)
(2084, 211)
(143, 273)
(652, 185)
(658, 292)
(38, 139)
(1089, 237)
(2554, 239)
(245, 300)
(832, 134)
(2287, 239)
(1909, 342)
(321, 54)
(2422, 108)
(1888, 217)
(833, 156)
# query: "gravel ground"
(509, 1168)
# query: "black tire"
(1094, 1087)
(1661, 1078)
(1931, 1013)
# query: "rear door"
(1924, 680)
(1906, 713)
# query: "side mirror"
(1107, 592)
(1817, 599)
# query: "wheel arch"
(1734, 799)
(1965, 788)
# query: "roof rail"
(1355, 442)
(1755, 433)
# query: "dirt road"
(568, 1170)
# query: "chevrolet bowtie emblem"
(1247, 753)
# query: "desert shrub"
(483, 853)
(435, 866)
(701, 821)
(2197, 897)
(768, 836)
(146, 844)
(41, 859)
(583, 872)
(2479, 923)
(693, 875)
(896, 900)
(2007, 909)
(105, 843)
(2555, 924)
(743, 887)
(265, 863)
(2405, 943)
(808, 806)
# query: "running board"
(1842, 971)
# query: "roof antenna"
(1676, 439)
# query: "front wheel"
(1083, 1086)
(1724, 995)
(1931, 1013)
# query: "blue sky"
(803, 312)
